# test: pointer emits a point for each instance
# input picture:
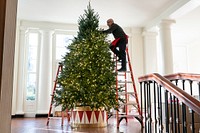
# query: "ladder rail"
(117, 96)
(53, 92)
(132, 77)
(126, 95)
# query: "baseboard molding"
(36, 116)
(42, 115)
(18, 116)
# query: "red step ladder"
(60, 66)
(127, 93)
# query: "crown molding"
(164, 15)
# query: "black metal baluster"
(177, 103)
(141, 103)
(177, 120)
(171, 114)
(150, 119)
(166, 112)
(193, 129)
(158, 99)
(145, 112)
(160, 96)
(184, 113)
(174, 103)
(155, 125)
(148, 107)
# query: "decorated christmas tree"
(87, 77)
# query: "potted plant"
(88, 77)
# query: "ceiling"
(187, 27)
(127, 13)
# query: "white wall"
(194, 57)
(186, 57)
(180, 58)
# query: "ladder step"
(138, 117)
(119, 73)
(129, 115)
(120, 113)
(124, 82)
(119, 62)
(129, 103)
(123, 93)
(124, 115)
(134, 104)
(121, 86)
(55, 118)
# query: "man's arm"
(111, 29)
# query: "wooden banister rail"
(191, 102)
(183, 76)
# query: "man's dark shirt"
(116, 30)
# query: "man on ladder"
(121, 39)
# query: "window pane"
(32, 66)
(31, 87)
(62, 41)
(32, 53)
(60, 52)
(33, 39)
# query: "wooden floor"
(38, 125)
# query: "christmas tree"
(87, 77)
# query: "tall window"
(62, 41)
(31, 84)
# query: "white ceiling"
(127, 13)
(187, 27)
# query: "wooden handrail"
(183, 76)
(183, 96)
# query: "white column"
(45, 73)
(150, 52)
(21, 73)
(136, 54)
(166, 52)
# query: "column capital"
(23, 28)
(149, 33)
(47, 29)
(166, 23)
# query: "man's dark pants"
(121, 53)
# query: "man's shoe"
(121, 70)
